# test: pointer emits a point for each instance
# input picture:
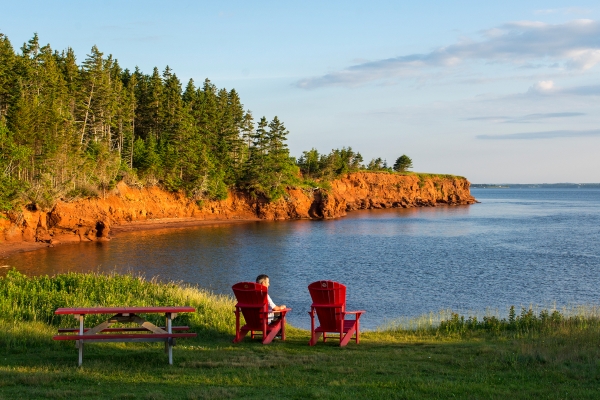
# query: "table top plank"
(125, 337)
(121, 310)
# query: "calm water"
(519, 246)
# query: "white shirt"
(271, 307)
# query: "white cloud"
(573, 45)
(548, 88)
(542, 87)
(529, 118)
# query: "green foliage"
(520, 324)
(378, 165)
(82, 192)
(329, 166)
(66, 127)
(11, 154)
(269, 168)
(69, 130)
(403, 163)
(35, 299)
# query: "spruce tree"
(403, 163)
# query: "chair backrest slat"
(333, 295)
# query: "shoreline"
(8, 249)
(152, 208)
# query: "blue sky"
(497, 91)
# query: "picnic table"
(144, 332)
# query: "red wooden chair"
(329, 304)
(254, 306)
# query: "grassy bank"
(529, 354)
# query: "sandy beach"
(9, 248)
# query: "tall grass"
(530, 321)
(27, 304)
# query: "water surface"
(518, 247)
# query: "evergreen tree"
(270, 167)
(403, 163)
(68, 130)
(8, 77)
(309, 162)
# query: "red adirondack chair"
(254, 306)
(329, 304)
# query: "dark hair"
(261, 278)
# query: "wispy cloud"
(542, 135)
(573, 45)
(548, 88)
(527, 118)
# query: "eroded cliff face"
(92, 219)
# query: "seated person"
(264, 280)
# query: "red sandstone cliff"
(92, 219)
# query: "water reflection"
(525, 249)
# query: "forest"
(70, 130)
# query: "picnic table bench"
(144, 332)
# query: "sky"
(496, 91)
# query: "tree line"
(69, 130)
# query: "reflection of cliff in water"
(516, 247)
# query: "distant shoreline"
(535, 186)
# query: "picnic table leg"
(166, 341)
(169, 340)
(80, 316)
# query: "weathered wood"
(149, 325)
(121, 310)
(124, 315)
(123, 337)
(126, 329)
(96, 329)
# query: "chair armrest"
(242, 305)
(327, 305)
(357, 314)
(282, 312)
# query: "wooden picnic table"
(144, 332)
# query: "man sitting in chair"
(264, 280)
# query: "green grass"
(529, 354)
(420, 175)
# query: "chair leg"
(344, 341)
(239, 336)
(283, 329)
(270, 335)
(314, 338)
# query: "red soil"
(127, 208)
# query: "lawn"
(528, 355)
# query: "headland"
(127, 208)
